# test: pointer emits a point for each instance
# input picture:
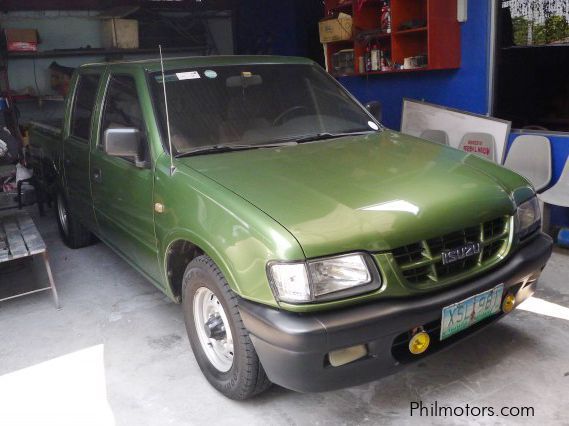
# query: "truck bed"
(53, 127)
(45, 138)
(45, 149)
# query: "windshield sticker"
(373, 125)
(188, 75)
(168, 78)
(210, 73)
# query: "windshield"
(254, 104)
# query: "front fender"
(239, 237)
(184, 234)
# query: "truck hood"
(374, 192)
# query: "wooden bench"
(20, 238)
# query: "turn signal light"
(419, 343)
(509, 303)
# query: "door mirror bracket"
(375, 109)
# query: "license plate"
(461, 315)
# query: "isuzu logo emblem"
(459, 253)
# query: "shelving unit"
(60, 53)
(437, 35)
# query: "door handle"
(97, 176)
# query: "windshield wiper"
(227, 148)
(217, 148)
(328, 135)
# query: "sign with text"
(472, 133)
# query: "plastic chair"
(433, 135)
(481, 144)
(530, 156)
(557, 195)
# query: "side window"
(122, 109)
(85, 96)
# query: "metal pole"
(51, 281)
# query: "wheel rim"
(212, 327)
(62, 214)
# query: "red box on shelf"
(21, 40)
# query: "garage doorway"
(531, 83)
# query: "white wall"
(57, 30)
(72, 30)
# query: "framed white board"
(419, 116)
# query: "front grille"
(421, 262)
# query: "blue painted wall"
(287, 27)
(465, 88)
(264, 30)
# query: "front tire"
(72, 232)
(221, 344)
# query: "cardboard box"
(335, 29)
(120, 33)
(21, 40)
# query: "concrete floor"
(118, 353)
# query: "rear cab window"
(83, 106)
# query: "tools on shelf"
(390, 36)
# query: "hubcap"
(213, 329)
(62, 214)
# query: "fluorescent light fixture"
(462, 10)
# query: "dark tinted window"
(254, 104)
(531, 84)
(122, 108)
(85, 96)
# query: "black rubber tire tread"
(78, 236)
(246, 378)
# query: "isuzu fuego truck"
(308, 245)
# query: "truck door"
(122, 188)
(76, 147)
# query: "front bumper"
(293, 347)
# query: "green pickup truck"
(308, 245)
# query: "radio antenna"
(167, 115)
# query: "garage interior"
(117, 351)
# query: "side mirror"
(375, 109)
(123, 142)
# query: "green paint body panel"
(371, 193)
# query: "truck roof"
(153, 65)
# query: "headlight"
(316, 280)
(528, 218)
